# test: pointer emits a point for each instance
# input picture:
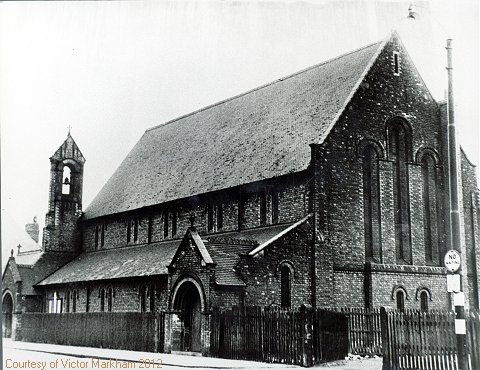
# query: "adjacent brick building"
(327, 187)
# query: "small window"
(152, 298)
(150, 229)
(263, 208)
(74, 300)
(96, 236)
(285, 282)
(129, 231)
(143, 298)
(219, 214)
(274, 207)
(396, 63)
(210, 217)
(102, 236)
(135, 230)
(102, 300)
(165, 224)
(174, 223)
(54, 304)
(67, 303)
(424, 301)
(400, 300)
(109, 299)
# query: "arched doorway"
(187, 301)
(7, 310)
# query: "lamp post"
(459, 300)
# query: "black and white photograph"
(240, 184)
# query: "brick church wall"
(380, 97)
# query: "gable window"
(263, 208)
(371, 204)
(399, 144)
(429, 195)
(396, 63)
(274, 207)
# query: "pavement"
(112, 358)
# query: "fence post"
(307, 335)
(385, 340)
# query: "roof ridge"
(281, 79)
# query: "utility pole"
(459, 298)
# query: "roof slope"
(257, 135)
(144, 260)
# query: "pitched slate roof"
(144, 260)
(226, 248)
(258, 135)
(43, 265)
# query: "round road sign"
(452, 260)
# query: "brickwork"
(262, 276)
(292, 206)
(386, 278)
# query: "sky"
(110, 70)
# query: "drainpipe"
(454, 205)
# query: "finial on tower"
(69, 128)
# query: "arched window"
(285, 285)
(66, 180)
(400, 298)
(371, 204)
(109, 299)
(424, 301)
(151, 290)
(429, 196)
(102, 299)
(143, 298)
(399, 143)
(67, 303)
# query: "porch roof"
(143, 260)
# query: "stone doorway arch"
(7, 312)
(188, 302)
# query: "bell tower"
(61, 233)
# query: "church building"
(328, 187)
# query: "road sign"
(452, 260)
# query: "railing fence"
(138, 331)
